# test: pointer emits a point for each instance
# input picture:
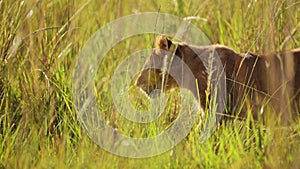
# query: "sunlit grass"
(39, 44)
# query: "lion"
(258, 82)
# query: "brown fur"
(269, 81)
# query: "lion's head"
(173, 65)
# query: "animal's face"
(155, 73)
(174, 65)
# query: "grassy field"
(39, 46)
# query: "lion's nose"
(144, 88)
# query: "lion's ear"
(162, 42)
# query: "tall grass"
(40, 41)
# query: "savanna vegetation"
(39, 47)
